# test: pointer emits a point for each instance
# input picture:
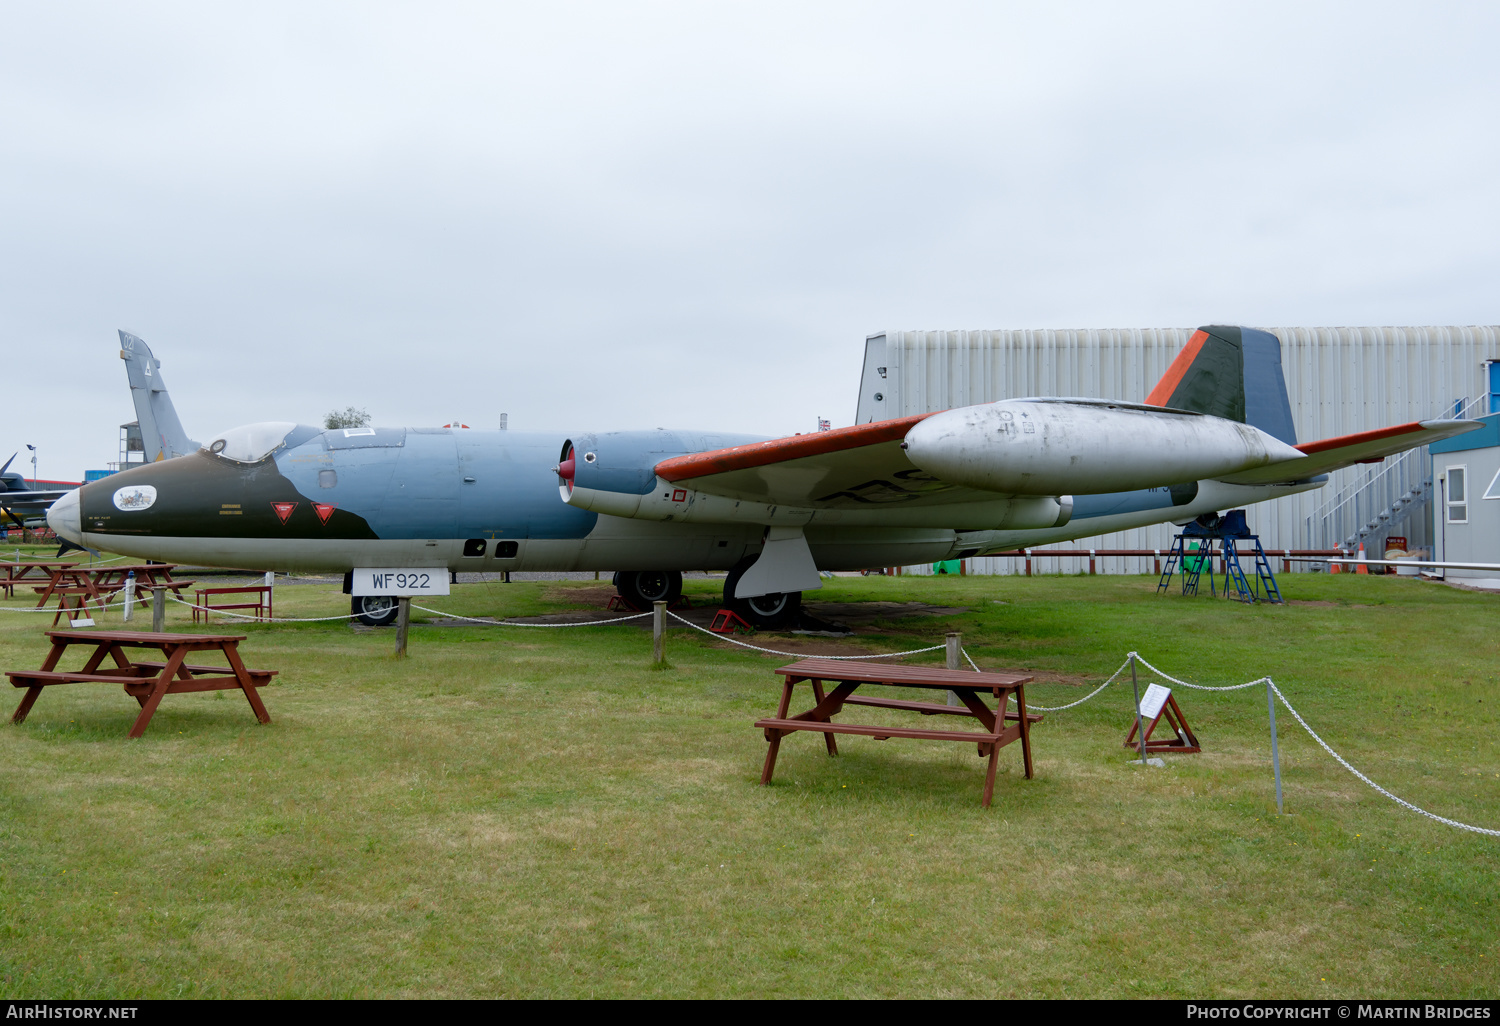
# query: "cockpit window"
(252, 442)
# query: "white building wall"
(1339, 380)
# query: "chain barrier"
(263, 619)
(1344, 763)
(508, 623)
(1314, 735)
(1199, 687)
(798, 655)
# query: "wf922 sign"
(400, 581)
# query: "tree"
(348, 417)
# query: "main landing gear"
(767, 612)
(642, 587)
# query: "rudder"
(1230, 372)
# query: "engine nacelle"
(1084, 446)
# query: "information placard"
(1152, 701)
(400, 580)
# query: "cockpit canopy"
(252, 443)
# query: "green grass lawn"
(537, 812)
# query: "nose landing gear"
(374, 610)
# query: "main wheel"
(374, 610)
(766, 612)
(642, 587)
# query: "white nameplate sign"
(1152, 701)
(400, 580)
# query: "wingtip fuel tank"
(1048, 446)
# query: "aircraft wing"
(860, 467)
(30, 498)
(1347, 450)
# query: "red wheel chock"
(727, 621)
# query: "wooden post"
(158, 610)
(1028, 561)
(403, 621)
(1157, 557)
(1091, 562)
(955, 648)
(658, 621)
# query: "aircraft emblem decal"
(283, 509)
(323, 510)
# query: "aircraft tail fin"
(1230, 372)
(161, 431)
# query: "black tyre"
(374, 610)
(642, 587)
(766, 612)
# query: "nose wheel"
(374, 610)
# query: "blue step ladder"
(1228, 530)
(1192, 564)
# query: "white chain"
(1399, 801)
(798, 655)
(263, 619)
(1199, 687)
(509, 623)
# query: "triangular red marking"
(283, 509)
(323, 510)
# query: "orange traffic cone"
(1361, 569)
(1337, 568)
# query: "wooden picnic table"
(27, 570)
(97, 581)
(148, 682)
(850, 675)
(147, 576)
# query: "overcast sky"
(625, 215)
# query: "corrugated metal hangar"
(1340, 380)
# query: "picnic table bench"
(147, 681)
(12, 573)
(999, 726)
(203, 604)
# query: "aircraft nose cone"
(63, 517)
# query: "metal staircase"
(1384, 498)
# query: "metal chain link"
(796, 655)
(1344, 763)
(1186, 684)
(263, 619)
(509, 623)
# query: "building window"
(1458, 495)
(1493, 491)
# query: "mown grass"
(538, 813)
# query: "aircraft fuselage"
(488, 501)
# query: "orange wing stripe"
(1358, 437)
(779, 450)
(1161, 395)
